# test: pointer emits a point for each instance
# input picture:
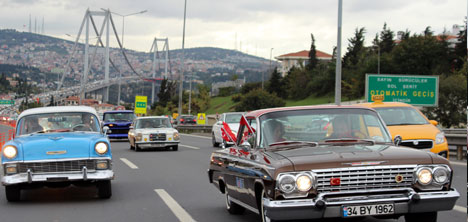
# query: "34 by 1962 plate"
(365, 210)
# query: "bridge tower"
(156, 58)
(86, 64)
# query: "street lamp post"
(179, 110)
(123, 30)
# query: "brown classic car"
(331, 161)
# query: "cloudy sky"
(259, 25)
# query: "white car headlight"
(304, 183)
(441, 175)
(440, 138)
(287, 183)
(138, 137)
(424, 176)
(176, 136)
(101, 148)
(10, 152)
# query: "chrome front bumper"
(156, 144)
(84, 175)
(329, 205)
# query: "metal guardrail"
(457, 138)
(194, 128)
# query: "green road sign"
(414, 90)
(7, 102)
(140, 104)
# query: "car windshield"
(58, 122)
(322, 125)
(153, 123)
(233, 118)
(118, 117)
(401, 116)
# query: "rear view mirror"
(397, 140)
(105, 129)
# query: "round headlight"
(176, 136)
(287, 183)
(304, 183)
(424, 176)
(10, 152)
(441, 175)
(101, 148)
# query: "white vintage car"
(232, 119)
(153, 132)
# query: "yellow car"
(415, 129)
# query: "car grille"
(364, 178)
(59, 166)
(421, 144)
(119, 131)
(157, 137)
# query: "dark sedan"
(347, 167)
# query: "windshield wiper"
(37, 132)
(350, 140)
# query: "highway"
(159, 185)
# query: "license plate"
(365, 210)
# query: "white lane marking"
(203, 137)
(460, 209)
(129, 164)
(459, 163)
(174, 206)
(191, 147)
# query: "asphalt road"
(158, 185)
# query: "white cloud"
(260, 25)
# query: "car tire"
(232, 207)
(137, 148)
(262, 210)
(175, 148)
(13, 193)
(213, 140)
(426, 217)
(104, 189)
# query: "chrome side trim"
(246, 206)
(29, 176)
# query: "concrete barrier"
(457, 140)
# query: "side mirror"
(433, 122)
(246, 146)
(219, 123)
(397, 140)
(131, 127)
(105, 129)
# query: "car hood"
(56, 145)
(408, 132)
(328, 156)
(155, 130)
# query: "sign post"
(414, 90)
(140, 104)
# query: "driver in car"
(342, 129)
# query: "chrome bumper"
(84, 175)
(329, 205)
(156, 144)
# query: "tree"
(459, 53)
(296, 83)
(386, 40)
(275, 84)
(451, 110)
(428, 31)
(355, 47)
(259, 99)
(312, 63)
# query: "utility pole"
(338, 57)
(182, 63)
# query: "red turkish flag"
(243, 121)
(229, 133)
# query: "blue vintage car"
(119, 122)
(57, 147)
